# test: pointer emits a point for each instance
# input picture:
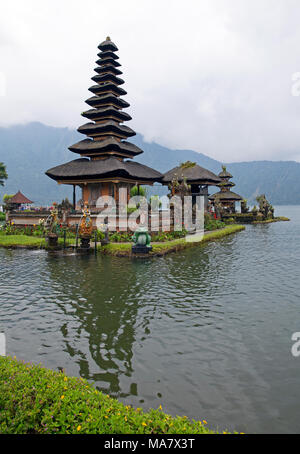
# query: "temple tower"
(225, 198)
(104, 166)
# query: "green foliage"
(37, 230)
(117, 249)
(131, 210)
(21, 240)
(187, 165)
(26, 241)
(168, 236)
(138, 191)
(65, 205)
(2, 216)
(229, 221)
(120, 237)
(155, 202)
(35, 400)
(166, 247)
(212, 224)
(100, 235)
(7, 197)
(270, 221)
(3, 174)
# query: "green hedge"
(38, 400)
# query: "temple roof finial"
(108, 38)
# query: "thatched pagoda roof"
(108, 45)
(108, 128)
(108, 54)
(226, 184)
(108, 87)
(106, 100)
(227, 196)
(107, 148)
(225, 174)
(84, 169)
(106, 112)
(107, 61)
(19, 199)
(100, 78)
(111, 144)
(107, 69)
(193, 174)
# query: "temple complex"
(106, 158)
(225, 199)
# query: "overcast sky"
(214, 76)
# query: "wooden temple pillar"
(85, 194)
(74, 196)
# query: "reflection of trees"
(101, 292)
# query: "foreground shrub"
(210, 223)
(38, 400)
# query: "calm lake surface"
(206, 333)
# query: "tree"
(138, 191)
(6, 199)
(65, 205)
(3, 174)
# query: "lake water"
(206, 332)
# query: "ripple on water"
(205, 332)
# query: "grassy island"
(166, 247)
(35, 400)
(120, 249)
(26, 242)
(269, 221)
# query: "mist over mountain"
(29, 150)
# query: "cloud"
(212, 76)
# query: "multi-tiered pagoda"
(103, 167)
(226, 199)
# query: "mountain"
(29, 150)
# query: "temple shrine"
(225, 199)
(196, 178)
(18, 201)
(106, 159)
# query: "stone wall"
(156, 222)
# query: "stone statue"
(265, 208)
(244, 207)
(179, 188)
(142, 240)
(52, 226)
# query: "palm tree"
(3, 174)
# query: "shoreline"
(168, 247)
(270, 221)
(121, 249)
(41, 400)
